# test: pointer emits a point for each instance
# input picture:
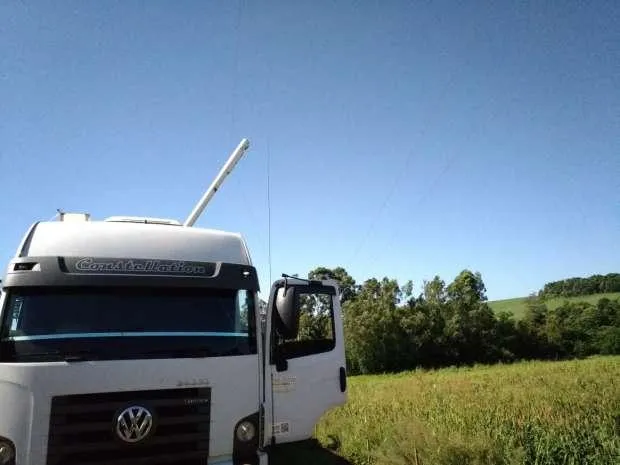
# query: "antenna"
(217, 182)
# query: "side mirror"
(287, 312)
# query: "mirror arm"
(285, 276)
(315, 282)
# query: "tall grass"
(528, 413)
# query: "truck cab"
(129, 341)
(144, 341)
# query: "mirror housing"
(287, 311)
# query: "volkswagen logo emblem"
(134, 424)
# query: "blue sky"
(404, 139)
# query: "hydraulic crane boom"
(217, 182)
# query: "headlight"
(7, 452)
(246, 431)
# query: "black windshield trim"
(127, 343)
(115, 334)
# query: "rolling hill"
(517, 305)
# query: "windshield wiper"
(82, 356)
(69, 357)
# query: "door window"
(316, 328)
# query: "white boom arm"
(217, 182)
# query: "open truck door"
(305, 356)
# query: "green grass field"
(528, 413)
(517, 306)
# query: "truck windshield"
(116, 323)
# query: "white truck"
(139, 341)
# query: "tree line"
(388, 328)
(572, 287)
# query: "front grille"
(83, 428)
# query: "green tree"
(387, 328)
(348, 287)
(435, 291)
(315, 317)
(607, 340)
(532, 330)
(470, 322)
(467, 288)
(374, 336)
(572, 287)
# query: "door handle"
(280, 359)
(281, 364)
(343, 379)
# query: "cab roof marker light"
(73, 217)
